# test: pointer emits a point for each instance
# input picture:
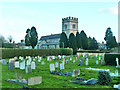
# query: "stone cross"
(117, 62)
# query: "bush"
(9, 53)
(104, 78)
(110, 59)
(92, 51)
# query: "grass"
(55, 81)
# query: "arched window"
(74, 26)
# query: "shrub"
(92, 51)
(9, 53)
(104, 78)
(110, 59)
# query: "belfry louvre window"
(74, 26)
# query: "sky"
(94, 17)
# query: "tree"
(84, 40)
(63, 40)
(10, 38)
(27, 38)
(2, 41)
(110, 39)
(72, 43)
(95, 44)
(78, 40)
(31, 37)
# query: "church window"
(65, 26)
(74, 26)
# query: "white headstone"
(52, 67)
(117, 62)
(22, 65)
(56, 64)
(73, 60)
(61, 66)
(17, 64)
(32, 65)
(70, 59)
(39, 60)
(28, 62)
(42, 62)
(96, 61)
(86, 62)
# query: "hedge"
(10, 53)
(92, 51)
(110, 59)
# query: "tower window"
(65, 26)
(74, 26)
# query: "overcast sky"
(93, 17)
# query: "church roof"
(52, 36)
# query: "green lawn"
(55, 81)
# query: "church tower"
(70, 25)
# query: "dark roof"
(52, 36)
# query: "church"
(69, 25)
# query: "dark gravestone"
(10, 66)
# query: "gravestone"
(28, 69)
(96, 61)
(42, 62)
(50, 59)
(39, 60)
(86, 62)
(10, 66)
(81, 62)
(22, 65)
(75, 73)
(100, 61)
(35, 62)
(61, 66)
(73, 60)
(56, 64)
(34, 80)
(28, 62)
(33, 65)
(4, 62)
(99, 58)
(70, 59)
(17, 64)
(52, 67)
(117, 62)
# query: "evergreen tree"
(110, 39)
(63, 40)
(84, 40)
(27, 37)
(34, 37)
(78, 40)
(95, 44)
(31, 37)
(72, 43)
